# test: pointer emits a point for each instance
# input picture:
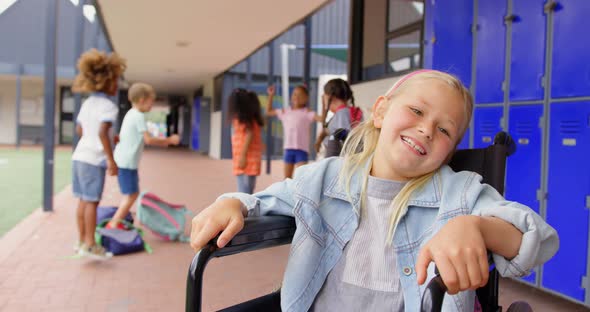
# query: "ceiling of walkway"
(179, 45)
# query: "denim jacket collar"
(428, 196)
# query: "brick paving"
(37, 275)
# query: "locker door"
(464, 144)
(527, 64)
(491, 43)
(571, 48)
(569, 184)
(523, 168)
(487, 124)
(451, 50)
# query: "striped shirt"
(254, 153)
(366, 277)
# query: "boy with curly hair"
(93, 156)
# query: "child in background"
(132, 137)
(98, 75)
(370, 223)
(337, 96)
(296, 127)
(246, 140)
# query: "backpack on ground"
(164, 219)
(107, 212)
(119, 241)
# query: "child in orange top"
(244, 108)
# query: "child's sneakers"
(95, 252)
(78, 246)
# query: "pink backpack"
(356, 116)
(164, 219)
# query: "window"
(387, 37)
(404, 24)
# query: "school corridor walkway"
(38, 274)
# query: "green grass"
(21, 182)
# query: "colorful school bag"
(164, 219)
(121, 242)
(118, 241)
(107, 212)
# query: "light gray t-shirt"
(341, 119)
(366, 276)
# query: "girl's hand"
(242, 162)
(460, 254)
(271, 90)
(112, 168)
(224, 216)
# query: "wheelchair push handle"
(503, 138)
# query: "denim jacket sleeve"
(277, 199)
(539, 240)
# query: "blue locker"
(571, 48)
(527, 64)
(464, 144)
(491, 43)
(523, 168)
(486, 125)
(448, 33)
(568, 186)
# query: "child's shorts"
(87, 181)
(128, 181)
(293, 156)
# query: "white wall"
(366, 93)
(216, 123)
(215, 139)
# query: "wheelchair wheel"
(519, 306)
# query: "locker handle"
(550, 6)
(511, 18)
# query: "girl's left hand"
(460, 254)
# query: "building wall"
(32, 107)
(26, 46)
(366, 93)
(7, 111)
(216, 124)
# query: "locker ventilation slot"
(524, 128)
(570, 126)
(489, 127)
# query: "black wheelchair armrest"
(432, 298)
(258, 233)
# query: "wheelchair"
(270, 231)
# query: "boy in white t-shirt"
(93, 155)
(132, 137)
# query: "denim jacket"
(326, 219)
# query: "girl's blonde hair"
(361, 143)
(98, 71)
